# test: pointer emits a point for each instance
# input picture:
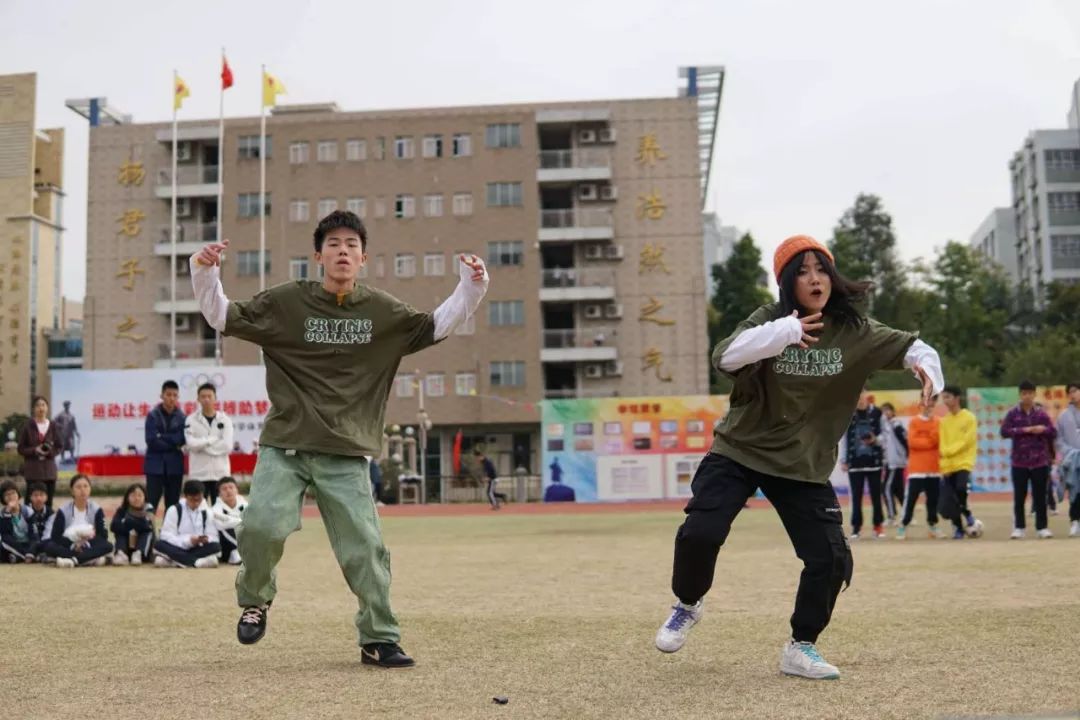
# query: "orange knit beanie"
(796, 245)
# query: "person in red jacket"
(924, 468)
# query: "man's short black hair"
(169, 385)
(228, 479)
(1070, 386)
(8, 485)
(1027, 385)
(193, 488)
(953, 390)
(888, 406)
(36, 487)
(340, 219)
(207, 386)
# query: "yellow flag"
(180, 91)
(272, 87)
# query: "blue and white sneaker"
(801, 659)
(672, 634)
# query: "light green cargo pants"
(343, 491)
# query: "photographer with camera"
(39, 444)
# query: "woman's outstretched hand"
(810, 323)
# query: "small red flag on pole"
(226, 74)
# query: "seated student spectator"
(76, 533)
(189, 536)
(38, 517)
(15, 538)
(228, 508)
(133, 528)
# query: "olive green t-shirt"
(329, 367)
(789, 412)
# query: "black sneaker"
(252, 625)
(387, 655)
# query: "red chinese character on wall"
(246, 407)
(634, 408)
(262, 407)
(229, 407)
(129, 410)
(622, 409)
(99, 411)
(114, 410)
(656, 407)
(144, 409)
(189, 408)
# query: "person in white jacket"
(228, 513)
(189, 535)
(209, 438)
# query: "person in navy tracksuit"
(164, 462)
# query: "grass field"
(558, 612)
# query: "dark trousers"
(228, 543)
(186, 556)
(209, 490)
(98, 547)
(143, 542)
(1051, 499)
(953, 504)
(916, 487)
(1037, 477)
(494, 497)
(167, 484)
(1074, 506)
(860, 479)
(13, 551)
(809, 512)
(894, 492)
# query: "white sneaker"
(119, 558)
(136, 557)
(1044, 534)
(207, 562)
(672, 634)
(234, 557)
(853, 536)
(801, 659)
(1074, 529)
(65, 563)
(101, 561)
(162, 561)
(1017, 534)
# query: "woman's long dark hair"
(844, 300)
(125, 505)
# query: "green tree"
(1049, 358)
(13, 422)
(740, 289)
(864, 246)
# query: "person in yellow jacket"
(959, 442)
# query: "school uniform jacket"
(178, 531)
(209, 444)
(59, 528)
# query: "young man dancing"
(332, 349)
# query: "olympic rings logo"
(193, 381)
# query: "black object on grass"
(500, 699)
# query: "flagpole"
(262, 184)
(172, 238)
(220, 187)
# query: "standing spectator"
(1032, 433)
(67, 431)
(164, 462)
(1069, 442)
(894, 442)
(76, 533)
(39, 516)
(488, 468)
(133, 528)
(189, 536)
(924, 468)
(16, 541)
(39, 445)
(209, 437)
(376, 480)
(228, 514)
(863, 461)
(959, 446)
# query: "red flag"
(226, 74)
(457, 452)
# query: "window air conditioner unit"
(586, 137)
(613, 368)
(593, 252)
(613, 311)
(183, 323)
(588, 191)
(183, 207)
(607, 135)
(594, 371)
(183, 151)
(614, 252)
(608, 192)
(594, 312)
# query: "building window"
(380, 266)
(433, 205)
(248, 147)
(510, 312)
(462, 204)
(1062, 159)
(356, 150)
(380, 207)
(327, 151)
(461, 145)
(465, 383)
(434, 264)
(327, 206)
(507, 373)
(1065, 252)
(467, 328)
(405, 265)
(356, 205)
(403, 147)
(247, 262)
(435, 385)
(1063, 201)
(248, 204)
(405, 386)
(432, 146)
(299, 153)
(298, 268)
(299, 211)
(503, 135)
(503, 194)
(404, 206)
(505, 252)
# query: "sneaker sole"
(250, 642)
(672, 652)
(805, 677)
(372, 663)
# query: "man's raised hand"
(211, 254)
(476, 265)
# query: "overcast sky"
(923, 103)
